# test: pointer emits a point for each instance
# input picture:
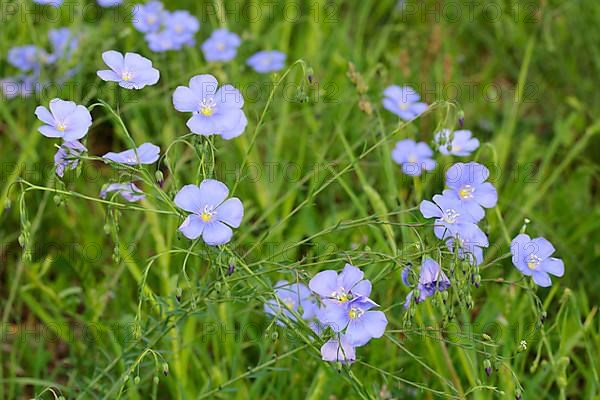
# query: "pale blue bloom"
(67, 156)
(457, 143)
(129, 191)
(431, 279)
(533, 258)
(413, 157)
(221, 46)
(65, 120)
(131, 72)
(148, 17)
(212, 216)
(403, 101)
(468, 183)
(215, 112)
(267, 61)
(146, 153)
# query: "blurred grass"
(315, 169)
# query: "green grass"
(89, 303)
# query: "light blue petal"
(216, 233)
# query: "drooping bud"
(487, 365)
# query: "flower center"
(533, 261)
(355, 313)
(151, 19)
(220, 46)
(412, 159)
(288, 302)
(126, 76)
(466, 192)
(341, 295)
(207, 214)
(450, 216)
(403, 106)
(61, 126)
(178, 28)
(207, 107)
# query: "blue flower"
(109, 3)
(343, 287)
(468, 183)
(221, 46)
(65, 120)
(462, 144)
(452, 219)
(131, 72)
(291, 297)
(532, 258)
(182, 27)
(215, 112)
(403, 101)
(431, 279)
(267, 61)
(147, 153)
(212, 216)
(162, 41)
(25, 58)
(67, 156)
(63, 42)
(413, 157)
(148, 18)
(356, 319)
(129, 191)
(338, 350)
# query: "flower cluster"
(30, 60)
(165, 30)
(339, 302)
(459, 209)
(416, 157)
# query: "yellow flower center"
(533, 261)
(403, 106)
(412, 159)
(207, 214)
(220, 46)
(61, 127)
(466, 192)
(126, 76)
(207, 107)
(206, 217)
(207, 111)
(355, 313)
(288, 302)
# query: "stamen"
(533, 261)
(355, 313)
(207, 106)
(207, 214)
(466, 192)
(450, 216)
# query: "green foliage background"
(91, 299)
